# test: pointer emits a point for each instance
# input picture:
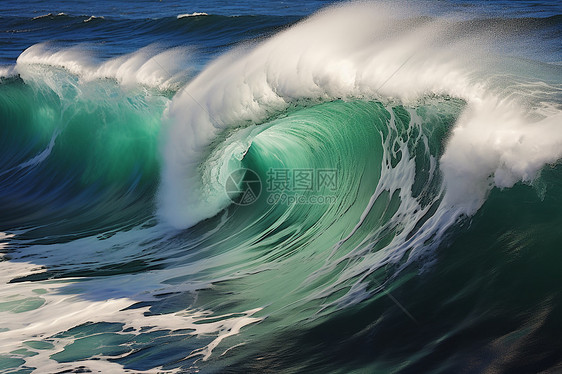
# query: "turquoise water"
(280, 187)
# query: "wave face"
(375, 187)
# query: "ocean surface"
(280, 187)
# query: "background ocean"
(256, 187)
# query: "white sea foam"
(149, 66)
(39, 310)
(194, 14)
(92, 18)
(7, 71)
(366, 51)
(49, 15)
(3, 238)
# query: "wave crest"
(150, 66)
(357, 51)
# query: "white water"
(150, 66)
(39, 310)
(507, 133)
(359, 51)
(194, 14)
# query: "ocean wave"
(150, 66)
(194, 14)
(7, 71)
(93, 18)
(343, 53)
(50, 15)
(130, 242)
